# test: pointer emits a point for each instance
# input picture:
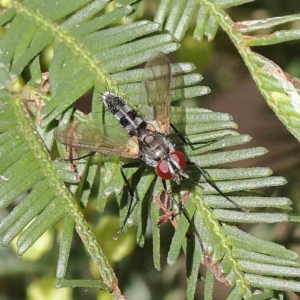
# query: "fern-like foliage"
(89, 52)
(280, 89)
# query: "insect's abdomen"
(123, 113)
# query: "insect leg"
(186, 142)
(183, 139)
(131, 193)
(77, 158)
(212, 184)
(185, 213)
(81, 157)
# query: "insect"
(150, 133)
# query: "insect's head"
(172, 167)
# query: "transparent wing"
(84, 136)
(155, 92)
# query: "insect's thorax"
(154, 146)
(127, 116)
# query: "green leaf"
(65, 248)
(240, 239)
(285, 99)
(274, 283)
(209, 285)
(94, 50)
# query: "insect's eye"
(179, 158)
(163, 170)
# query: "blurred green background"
(233, 91)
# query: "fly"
(155, 149)
(150, 141)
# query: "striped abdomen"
(123, 113)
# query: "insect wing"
(84, 136)
(155, 91)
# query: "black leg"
(212, 184)
(208, 141)
(78, 158)
(183, 139)
(187, 143)
(185, 213)
(131, 193)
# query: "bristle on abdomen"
(123, 113)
